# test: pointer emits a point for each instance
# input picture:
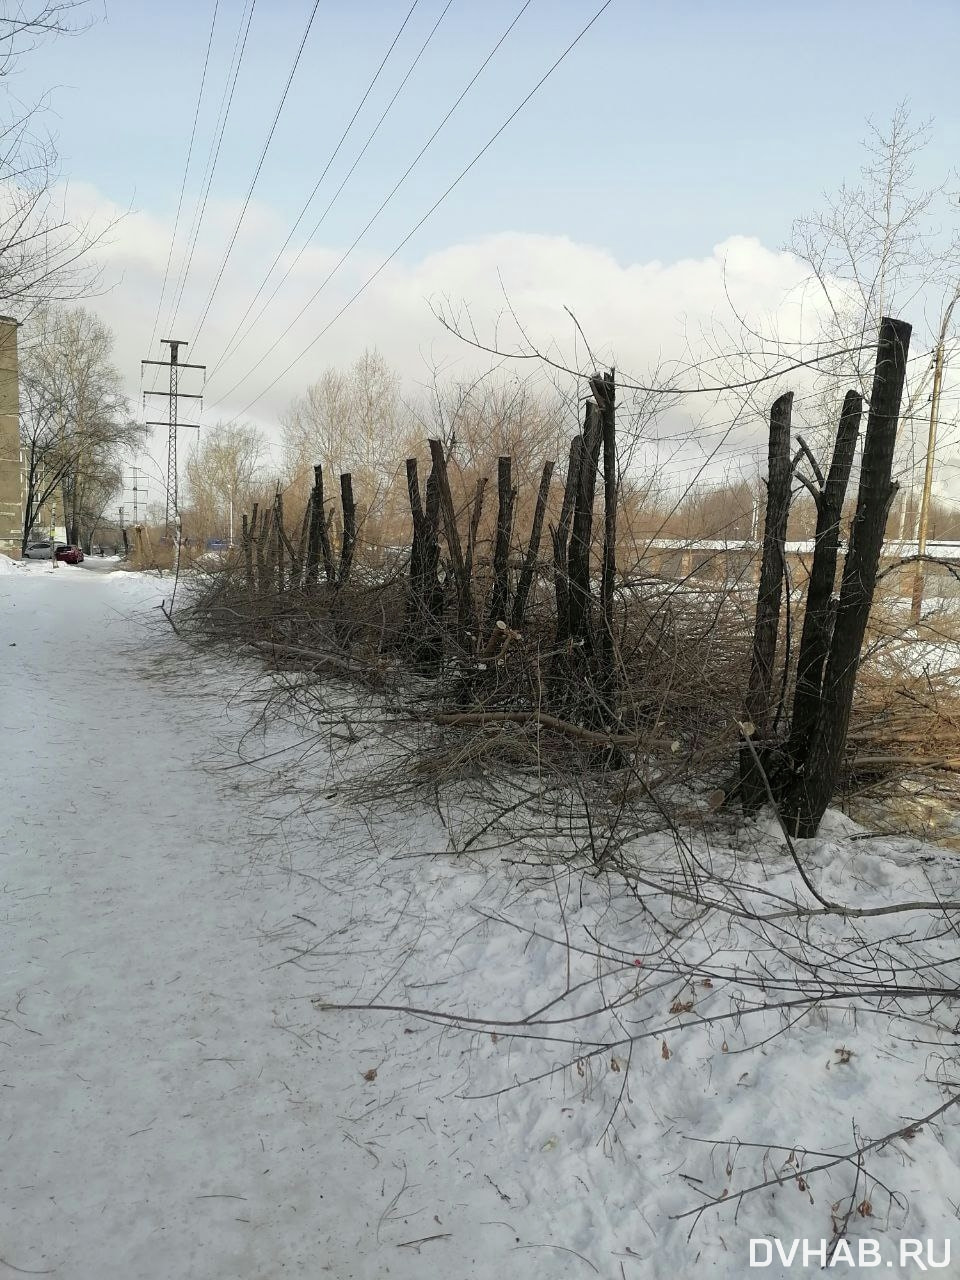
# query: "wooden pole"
(916, 606)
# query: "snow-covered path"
(159, 1117)
(172, 1104)
(154, 1123)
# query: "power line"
(396, 187)
(186, 169)
(230, 341)
(213, 156)
(256, 174)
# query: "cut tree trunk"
(506, 497)
(525, 581)
(561, 538)
(605, 393)
(302, 543)
(279, 542)
(349, 528)
(814, 786)
(815, 638)
(246, 541)
(578, 555)
(263, 585)
(757, 704)
(476, 511)
(465, 621)
(425, 598)
(318, 543)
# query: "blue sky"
(671, 129)
(672, 126)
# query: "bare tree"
(22, 27)
(348, 420)
(878, 246)
(885, 246)
(75, 421)
(224, 473)
(44, 254)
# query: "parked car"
(65, 552)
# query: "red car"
(70, 554)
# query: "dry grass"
(683, 654)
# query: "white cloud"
(634, 314)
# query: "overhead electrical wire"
(403, 177)
(227, 352)
(226, 102)
(186, 170)
(253, 181)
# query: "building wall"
(11, 469)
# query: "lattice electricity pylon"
(138, 492)
(173, 395)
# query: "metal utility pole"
(173, 396)
(136, 489)
(923, 524)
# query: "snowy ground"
(175, 1101)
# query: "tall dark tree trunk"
(318, 542)
(417, 548)
(815, 638)
(525, 581)
(302, 537)
(285, 546)
(506, 496)
(476, 511)
(814, 787)
(263, 567)
(425, 599)
(279, 541)
(349, 527)
(757, 704)
(465, 619)
(246, 541)
(431, 650)
(578, 555)
(605, 393)
(561, 537)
